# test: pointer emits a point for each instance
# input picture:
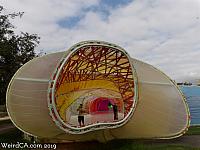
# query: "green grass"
(143, 146)
(13, 135)
(132, 145)
(135, 145)
(193, 130)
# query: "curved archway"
(100, 70)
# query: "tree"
(15, 50)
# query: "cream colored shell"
(161, 111)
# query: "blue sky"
(104, 7)
(163, 33)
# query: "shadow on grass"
(13, 135)
(144, 145)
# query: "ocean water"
(192, 94)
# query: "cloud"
(163, 33)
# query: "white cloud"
(163, 33)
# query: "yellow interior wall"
(67, 93)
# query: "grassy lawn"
(139, 145)
(193, 130)
(126, 145)
(12, 136)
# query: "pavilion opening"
(100, 79)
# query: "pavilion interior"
(97, 77)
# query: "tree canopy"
(15, 50)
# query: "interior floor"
(95, 118)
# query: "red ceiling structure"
(100, 63)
